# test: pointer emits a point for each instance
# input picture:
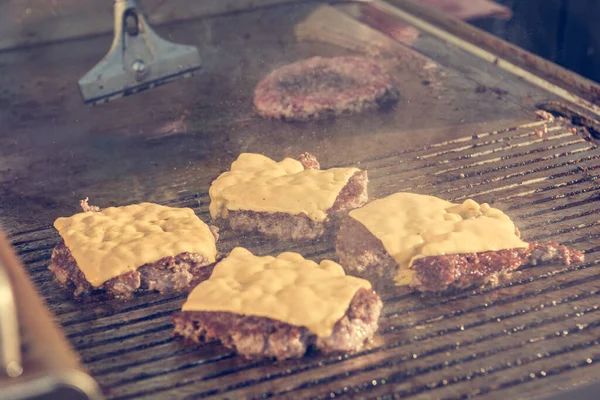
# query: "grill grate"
(539, 329)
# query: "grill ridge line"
(479, 173)
(490, 304)
(152, 302)
(560, 286)
(195, 196)
(174, 297)
(491, 319)
(522, 216)
(476, 145)
(43, 258)
(504, 301)
(185, 350)
(561, 207)
(484, 322)
(478, 176)
(483, 182)
(150, 317)
(339, 359)
(478, 373)
(442, 301)
(400, 377)
(161, 301)
(89, 360)
(570, 230)
(84, 346)
(391, 155)
(494, 151)
(528, 182)
(415, 371)
(550, 372)
(469, 155)
(539, 190)
(583, 240)
(563, 219)
(589, 178)
(521, 154)
(472, 156)
(473, 145)
(440, 144)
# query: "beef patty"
(178, 273)
(321, 87)
(362, 254)
(259, 337)
(284, 226)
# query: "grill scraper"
(137, 60)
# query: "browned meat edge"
(319, 88)
(260, 337)
(170, 274)
(299, 227)
(362, 254)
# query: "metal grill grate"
(535, 332)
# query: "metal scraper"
(137, 60)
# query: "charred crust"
(319, 88)
(309, 161)
(86, 207)
(284, 226)
(178, 273)
(214, 230)
(362, 254)
(259, 337)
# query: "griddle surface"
(535, 333)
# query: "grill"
(534, 334)
(536, 330)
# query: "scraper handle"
(10, 343)
(50, 368)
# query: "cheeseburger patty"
(258, 337)
(362, 254)
(283, 226)
(179, 272)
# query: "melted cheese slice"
(118, 240)
(412, 226)
(257, 183)
(287, 288)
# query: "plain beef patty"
(321, 87)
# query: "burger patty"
(362, 254)
(321, 87)
(259, 337)
(176, 273)
(300, 227)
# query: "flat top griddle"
(534, 334)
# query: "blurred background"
(563, 31)
(566, 32)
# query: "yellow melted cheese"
(287, 288)
(117, 240)
(257, 183)
(411, 226)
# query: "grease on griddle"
(496, 90)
